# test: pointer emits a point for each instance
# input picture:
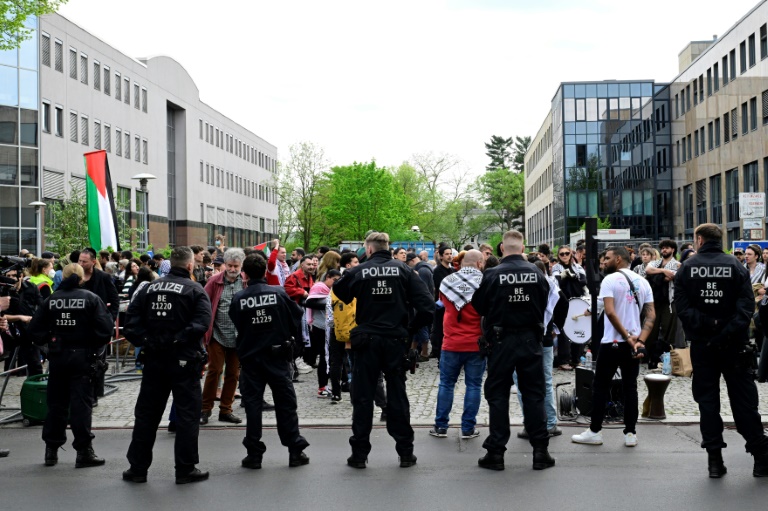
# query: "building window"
(725, 70)
(107, 77)
(58, 56)
(744, 119)
(118, 142)
(201, 128)
(677, 106)
(84, 130)
(206, 132)
(696, 141)
(732, 195)
(679, 161)
(688, 97)
(203, 173)
(752, 53)
(58, 121)
(727, 124)
(136, 148)
(73, 126)
(96, 75)
(46, 117)
(688, 207)
(743, 57)
(750, 177)
(96, 135)
(107, 138)
(123, 207)
(753, 114)
(701, 88)
(709, 82)
(144, 99)
(45, 49)
(716, 199)
(118, 87)
(734, 124)
(690, 148)
(717, 132)
(127, 89)
(144, 152)
(136, 103)
(695, 93)
(127, 146)
(84, 68)
(73, 63)
(711, 134)
(701, 201)
(716, 76)
(733, 65)
(763, 42)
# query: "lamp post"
(38, 224)
(143, 179)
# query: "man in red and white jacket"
(277, 269)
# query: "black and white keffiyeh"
(460, 286)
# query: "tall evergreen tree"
(499, 153)
(518, 153)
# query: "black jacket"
(437, 278)
(714, 297)
(102, 285)
(72, 316)
(386, 291)
(172, 313)
(425, 273)
(264, 316)
(24, 302)
(512, 295)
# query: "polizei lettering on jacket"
(67, 303)
(711, 272)
(381, 271)
(256, 302)
(171, 287)
(506, 279)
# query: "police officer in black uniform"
(168, 319)
(386, 291)
(715, 303)
(267, 320)
(512, 299)
(75, 324)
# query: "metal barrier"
(16, 415)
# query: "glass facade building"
(19, 145)
(611, 157)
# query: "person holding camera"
(168, 319)
(626, 297)
(75, 324)
(267, 320)
(20, 303)
(715, 303)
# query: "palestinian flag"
(264, 248)
(100, 203)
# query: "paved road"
(667, 469)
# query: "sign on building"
(751, 205)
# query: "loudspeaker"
(583, 392)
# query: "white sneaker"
(303, 367)
(630, 440)
(589, 437)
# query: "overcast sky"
(385, 80)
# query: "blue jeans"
(451, 363)
(548, 357)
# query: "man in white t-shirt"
(622, 345)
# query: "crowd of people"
(243, 319)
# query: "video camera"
(11, 263)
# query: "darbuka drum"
(578, 325)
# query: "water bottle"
(666, 364)
(589, 359)
(583, 361)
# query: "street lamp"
(39, 245)
(143, 178)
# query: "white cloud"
(385, 80)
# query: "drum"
(653, 406)
(578, 325)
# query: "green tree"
(360, 197)
(602, 223)
(498, 151)
(503, 192)
(14, 28)
(518, 153)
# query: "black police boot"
(4, 453)
(87, 458)
(298, 459)
(51, 456)
(134, 476)
(761, 466)
(492, 461)
(542, 459)
(356, 462)
(192, 477)
(252, 461)
(715, 463)
(407, 460)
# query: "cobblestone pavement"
(116, 409)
